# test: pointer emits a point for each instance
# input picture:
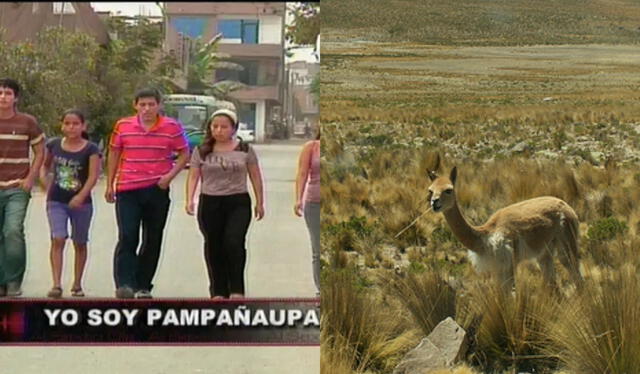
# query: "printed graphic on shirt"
(68, 177)
(227, 164)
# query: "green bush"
(375, 140)
(344, 234)
(606, 229)
(358, 225)
(416, 267)
(442, 234)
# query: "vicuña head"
(539, 229)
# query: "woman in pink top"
(221, 166)
(308, 199)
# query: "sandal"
(77, 292)
(55, 292)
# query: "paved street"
(279, 265)
(278, 261)
(161, 360)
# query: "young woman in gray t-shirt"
(222, 164)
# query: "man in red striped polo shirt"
(140, 168)
(18, 133)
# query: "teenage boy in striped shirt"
(18, 133)
(140, 168)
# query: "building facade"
(301, 107)
(23, 21)
(253, 37)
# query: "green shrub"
(358, 225)
(416, 267)
(375, 140)
(442, 234)
(606, 229)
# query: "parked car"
(245, 133)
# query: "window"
(63, 8)
(247, 114)
(192, 27)
(239, 30)
(248, 76)
(255, 73)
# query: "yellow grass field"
(520, 116)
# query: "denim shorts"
(59, 214)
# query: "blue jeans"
(13, 210)
(147, 207)
(60, 214)
(312, 218)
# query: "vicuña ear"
(453, 174)
(432, 175)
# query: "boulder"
(521, 147)
(444, 347)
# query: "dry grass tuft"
(358, 329)
(597, 332)
(457, 370)
(512, 330)
(426, 295)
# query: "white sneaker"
(143, 294)
(13, 289)
(124, 293)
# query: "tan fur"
(539, 229)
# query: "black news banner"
(157, 321)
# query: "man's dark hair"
(148, 92)
(12, 84)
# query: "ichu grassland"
(526, 98)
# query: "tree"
(315, 87)
(305, 28)
(204, 60)
(137, 50)
(133, 59)
(57, 71)
(63, 69)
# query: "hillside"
(483, 22)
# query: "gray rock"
(520, 147)
(598, 157)
(444, 347)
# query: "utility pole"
(61, 15)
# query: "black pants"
(147, 206)
(224, 221)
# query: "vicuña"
(539, 229)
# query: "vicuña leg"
(570, 257)
(548, 270)
(571, 261)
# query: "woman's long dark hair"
(209, 141)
